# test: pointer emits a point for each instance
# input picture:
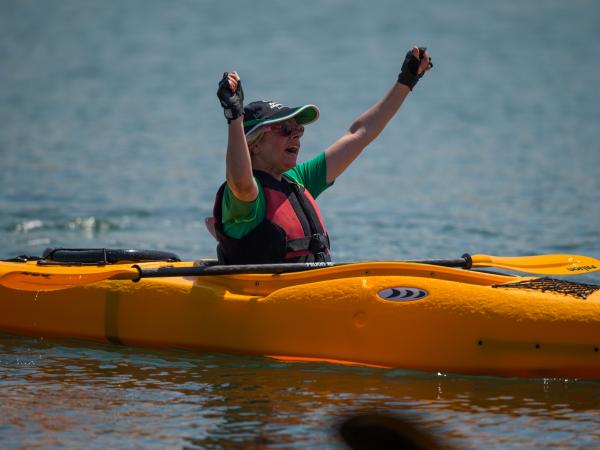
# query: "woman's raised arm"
(369, 124)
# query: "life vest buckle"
(318, 243)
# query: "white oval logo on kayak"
(403, 294)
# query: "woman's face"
(280, 145)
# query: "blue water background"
(111, 136)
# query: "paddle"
(542, 264)
(50, 277)
(561, 264)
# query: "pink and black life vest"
(291, 231)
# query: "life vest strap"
(315, 243)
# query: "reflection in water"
(67, 393)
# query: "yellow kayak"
(388, 314)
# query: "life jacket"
(291, 231)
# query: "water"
(64, 394)
(111, 135)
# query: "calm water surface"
(69, 394)
(111, 136)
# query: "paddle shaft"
(208, 270)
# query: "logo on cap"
(275, 105)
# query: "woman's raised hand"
(231, 95)
(416, 63)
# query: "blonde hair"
(253, 139)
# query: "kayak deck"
(388, 314)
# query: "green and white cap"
(258, 114)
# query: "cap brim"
(304, 115)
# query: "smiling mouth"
(292, 150)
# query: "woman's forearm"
(363, 131)
(238, 163)
(372, 122)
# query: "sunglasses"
(285, 129)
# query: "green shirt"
(240, 218)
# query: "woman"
(265, 212)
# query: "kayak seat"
(93, 256)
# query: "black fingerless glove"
(409, 75)
(232, 102)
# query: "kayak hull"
(415, 317)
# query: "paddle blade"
(40, 279)
(541, 264)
